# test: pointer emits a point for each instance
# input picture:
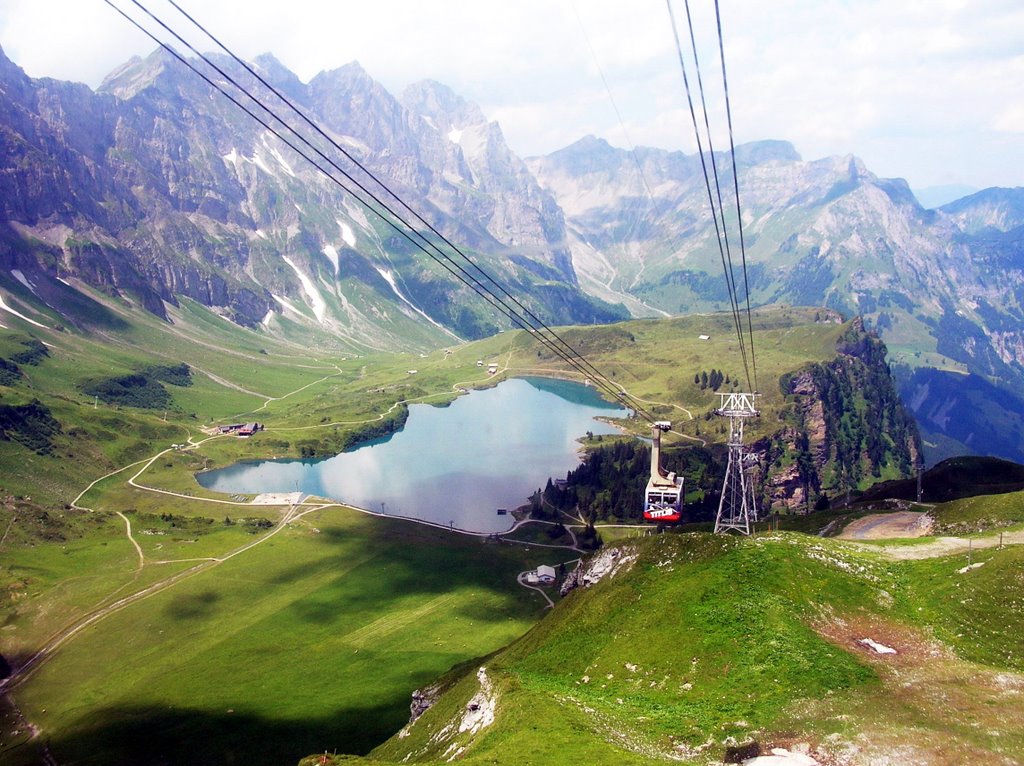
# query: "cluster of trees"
(176, 374)
(713, 380)
(33, 352)
(335, 441)
(134, 390)
(30, 424)
(609, 485)
(141, 389)
(10, 373)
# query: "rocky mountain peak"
(758, 152)
(588, 155)
(280, 76)
(997, 208)
(139, 74)
(445, 108)
(348, 76)
(15, 82)
(7, 66)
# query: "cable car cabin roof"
(664, 484)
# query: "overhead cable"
(561, 349)
(736, 189)
(711, 197)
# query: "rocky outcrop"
(424, 699)
(848, 428)
(605, 563)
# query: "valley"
(143, 611)
(185, 298)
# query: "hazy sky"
(927, 90)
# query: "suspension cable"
(707, 185)
(569, 355)
(736, 189)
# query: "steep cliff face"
(515, 210)
(846, 429)
(833, 425)
(155, 187)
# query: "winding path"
(26, 668)
(138, 548)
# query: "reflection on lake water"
(452, 465)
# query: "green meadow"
(704, 647)
(262, 634)
(312, 640)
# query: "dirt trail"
(947, 546)
(883, 526)
(887, 526)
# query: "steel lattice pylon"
(737, 509)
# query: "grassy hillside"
(955, 478)
(309, 641)
(314, 637)
(708, 648)
(978, 514)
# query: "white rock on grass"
(877, 647)
(781, 757)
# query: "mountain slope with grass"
(703, 649)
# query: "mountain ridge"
(196, 201)
(153, 188)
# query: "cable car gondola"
(663, 500)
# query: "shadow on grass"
(349, 581)
(166, 737)
(377, 571)
(192, 605)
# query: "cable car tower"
(663, 500)
(737, 508)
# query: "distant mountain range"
(936, 196)
(153, 190)
(944, 288)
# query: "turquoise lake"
(453, 465)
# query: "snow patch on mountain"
(281, 161)
(332, 255)
(390, 279)
(355, 143)
(8, 309)
(347, 234)
(315, 298)
(259, 162)
(20, 276)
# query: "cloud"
(1011, 120)
(891, 82)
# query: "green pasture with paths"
(313, 640)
